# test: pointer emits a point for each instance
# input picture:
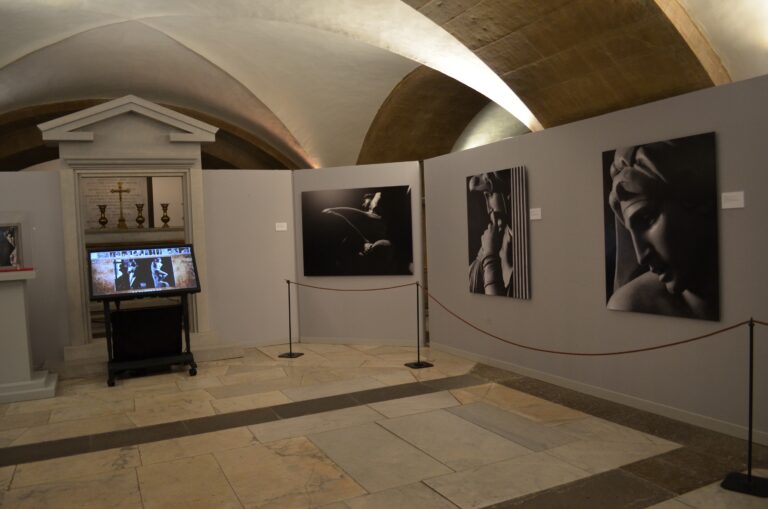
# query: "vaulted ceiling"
(313, 83)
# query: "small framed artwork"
(10, 245)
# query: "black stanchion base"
(736, 481)
(418, 365)
(290, 355)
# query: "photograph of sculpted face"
(355, 232)
(10, 245)
(661, 228)
(497, 220)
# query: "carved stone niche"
(130, 139)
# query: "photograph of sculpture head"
(355, 232)
(10, 245)
(497, 233)
(661, 232)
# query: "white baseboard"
(728, 428)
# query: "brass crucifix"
(120, 191)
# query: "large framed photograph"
(661, 233)
(10, 246)
(497, 233)
(356, 232)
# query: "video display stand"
(147, 337)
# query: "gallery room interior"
(380, 254)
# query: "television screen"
(142, 272)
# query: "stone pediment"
(75, 126)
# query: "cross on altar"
(120, 191)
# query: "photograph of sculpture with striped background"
(357, 232)
(661, 236)
(497, 233)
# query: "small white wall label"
(281, 227)
(535, 214)
(734, 200)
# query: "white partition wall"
(386, 317)
(704, 382)
(248, 258)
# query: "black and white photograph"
(661, 232)
(355, 232)
(497, 233)
(10, 246)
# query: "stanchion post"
(290, 354)
(736, 481)
(419, 364)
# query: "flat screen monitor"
(117, 273)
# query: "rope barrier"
(760, 322)
(583, 354)
(351, 289)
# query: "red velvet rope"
(350, 289)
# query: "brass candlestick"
(140, 218)
(164, 218)
(103, 219)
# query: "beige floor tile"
(324, 348)
(549, 413)
(43, 405)
(251, 375)
(315, 423)
(196, 482)
(376, 458)
(414, 495)
(91, 409)
(77, 428)
(309, 357)
(73, 467)
(119, 392)
(195, 445)
(198, 382)
(24, 420)
(231, 391)
(6, 474)
(331, 388)
(452, 440)
(152, 380)
(205, 371)
(715, 497)
(174, 398)
(170, 412)
(287, 474)
(415, 404)
(426, 374)
(595, 429)
(600, 456)
(672, 503)
(394, 378)
(115, 490)
(238, 403)
(498, 395)
(505, 480)
(8, 436)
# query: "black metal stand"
(736, 481)
(290, 354)
(419, 364)
(122, 340)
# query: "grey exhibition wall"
(35, 197)
(386, 317)
(248, 260)
(703, 382)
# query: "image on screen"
(142, 272)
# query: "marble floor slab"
(415, 404)
(453, 441)
(114, 490)
(196, 482)
(413, 495)
(376, 458)
(286, 474)
(523, 431)
(76, 428)
(195, 445)
(331, 388)
(600, 456)
(505, 480)
(238, 403)
(315, 423)
(715, 497)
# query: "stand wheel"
(192, 371)
(111, 382)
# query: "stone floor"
(348, 427)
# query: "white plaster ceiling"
(308, 76)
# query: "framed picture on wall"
(356, 232)
(10, 245)
(497, 233)
(661, 235)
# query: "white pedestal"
(17, 380)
